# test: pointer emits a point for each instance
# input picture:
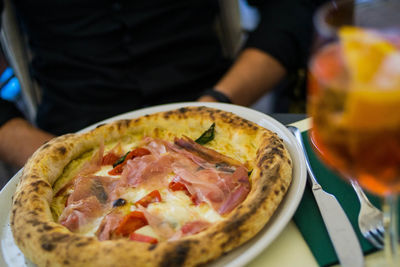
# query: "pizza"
(174, 188)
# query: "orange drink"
(354, 100)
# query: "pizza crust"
(47, 243)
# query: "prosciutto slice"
(108, 225)
(149, 171)
(208, 155)
(79, 213)
(190, 228)
(214, 178)
(90, 198)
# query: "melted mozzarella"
(91, 228)
(175, 209)
(104, 171)
(147, 230)
(178, 209)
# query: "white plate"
(12, 256)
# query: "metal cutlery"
(370, 219)
(339, 228)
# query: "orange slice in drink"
(368, 105)
(363, 52)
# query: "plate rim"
(281, 217)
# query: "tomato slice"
(177, 186)
(152, 197)
(130, 223)
(138, 152)
(143, 238)
(109, 159)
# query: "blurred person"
(94, 59)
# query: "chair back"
(229, 27)
(14, 46)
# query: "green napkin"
(309, 220)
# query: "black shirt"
(97, 58)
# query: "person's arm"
(279, 45)
(19, 139)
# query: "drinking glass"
(354, 99)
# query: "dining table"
(302, 242)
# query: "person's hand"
(207, 98)
(19, 139)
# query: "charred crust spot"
(177, 256)
(224, 116)
(183, 110)
(276, 192)
(82, 244)
(283, 189)
(34, 222)
(36, 185)
(54, 238)
(48, 246)
(39, 209)
(264, 188)
(122, 123)
(47, 145)
(212, 116)
(47, 227)
(32, 212)
(152, 247)
(17, 202)
(167, 114)
(277, 151)
(28, 235)
(100, 125)
(232, 229)
(62, 150)
(66, 262)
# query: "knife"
(340, 230)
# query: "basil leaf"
(207, 136)
(120, 160)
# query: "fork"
(370, 219)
